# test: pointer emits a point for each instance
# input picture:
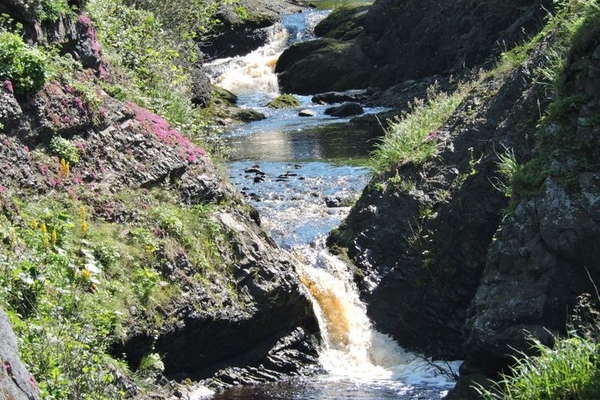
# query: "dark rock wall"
(544, 254)
(421, 252)
(447, 266)
(400, 40)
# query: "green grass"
(569, 370)
(412, 137)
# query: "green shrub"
(64, 149)
(24, 66)
(50, 10)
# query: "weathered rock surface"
(16, 383)
(544, 254)
(236, 35)
(345, 110)
(444, 267)
(393, 41)
(421, 250)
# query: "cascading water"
(293, 190)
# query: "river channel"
(302, 174)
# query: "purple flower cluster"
(90, 31)
(166, 133)
(9, 86)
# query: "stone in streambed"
(307, 113)
(284, 101)
(345, 110)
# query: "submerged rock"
(345, 110)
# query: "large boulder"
(16, 383)
(544, 254)
(542, 257)
(322, 65)
(399, 40)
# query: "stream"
(302, 174)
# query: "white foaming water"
(253, 72)
(352, 348)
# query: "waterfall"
(290, 199)
(352, 347)
(253, 72)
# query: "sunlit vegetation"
(69, 279)
(414, 136)
(78, 266)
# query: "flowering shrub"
(20, 65)
(166, 133)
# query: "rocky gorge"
(446, 263)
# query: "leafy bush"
(64, 149)
(50, 10)
(24, 66)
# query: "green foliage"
(412, 137)
(24, 66)
(65, 328)
(509, 168)
(569, 370)
(144, 281)
(154, 56)
(64, 149)
(51, 10)
(152, 362)
(69, 280)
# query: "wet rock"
(16, 383)
(294, 355)
(345, 110)
(202, 90)
(238, 34)
(284, 101)
(304, 68)
(395, 41)
(341, 97)
(307, 113)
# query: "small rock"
(345, 110)
(307, 113)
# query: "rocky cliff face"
(393, 41)
(15, 382)
(446, 265)
(255, 313)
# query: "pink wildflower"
(431, 136)
(9, 86)
(79, 104)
